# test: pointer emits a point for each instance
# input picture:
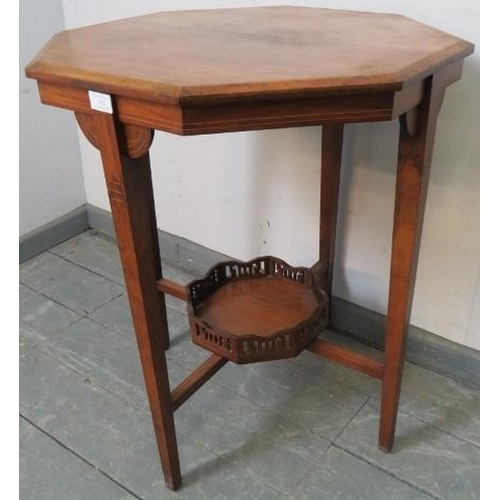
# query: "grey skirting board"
(53, 233)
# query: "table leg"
(331, 156)
(415, 151)
(131, 196)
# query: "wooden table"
(199, 72)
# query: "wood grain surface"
(259, 306)
(233, 54)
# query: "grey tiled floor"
(297, 429)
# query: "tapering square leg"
(416, 141)
(131, 195)
(331, 158)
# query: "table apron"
(239, 116)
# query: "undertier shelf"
(256, 311)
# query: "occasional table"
(228, 70)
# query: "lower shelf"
(256, 311)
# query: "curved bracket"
(136, 140)
(409, 121)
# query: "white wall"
(255, 193)
(50, 172)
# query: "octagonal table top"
(183, 57)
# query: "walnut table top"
(193, 61)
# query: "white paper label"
(100, 102)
